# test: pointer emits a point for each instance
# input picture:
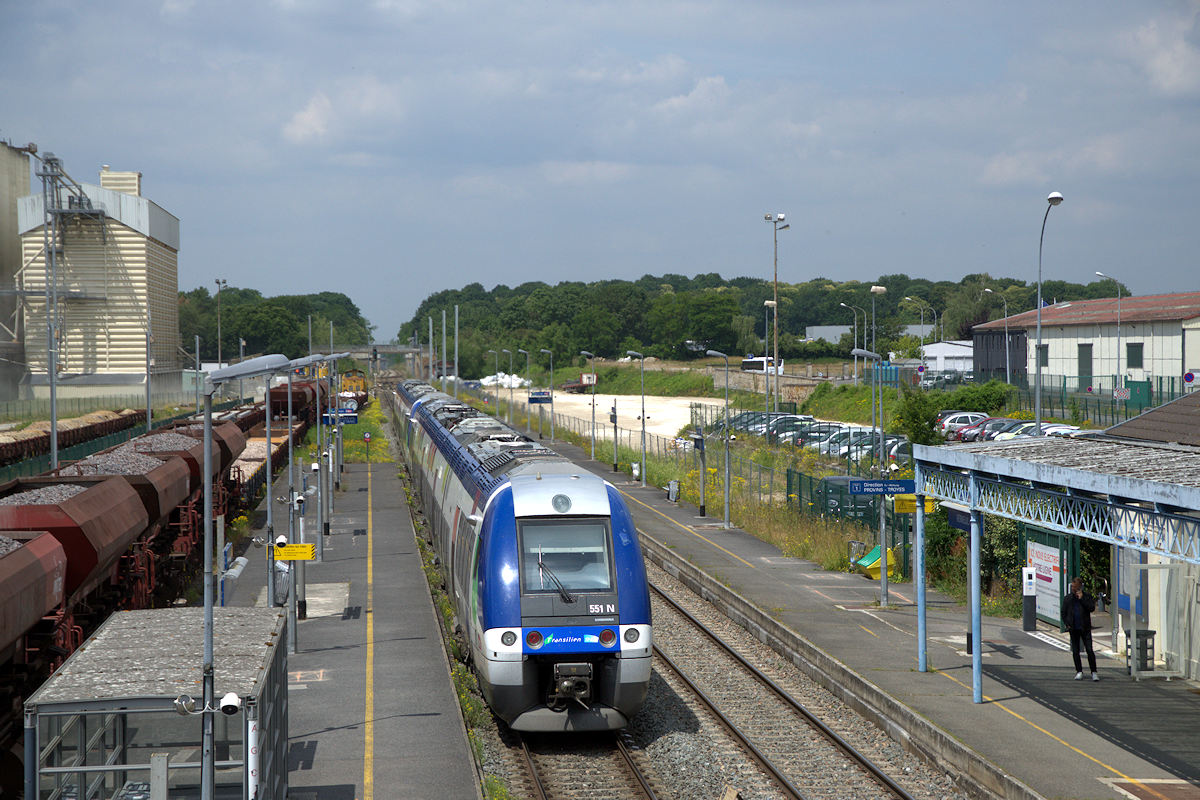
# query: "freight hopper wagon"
(542, 563)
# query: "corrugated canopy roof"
(1141, 471)
(1147, 308)
(1176, 422)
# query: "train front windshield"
(576, 553)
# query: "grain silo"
(112, 258)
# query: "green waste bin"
(1144, 646)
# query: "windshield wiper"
(562, 590)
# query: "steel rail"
(783, 695)
(619, 747)
(732, 727)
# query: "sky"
(395, 148)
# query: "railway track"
(598, 766)
(802, 755)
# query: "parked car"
(955, 421)
(988, 428)
(780, 427)
(970, 433)
(1015, 432)
(900, 454)
(860, 439)
(832, 496)
(868, 449)
(811, 435)
(1008, 426)
(758, 425)
(830, 446)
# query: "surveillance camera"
(230, 703)
(281, 540)
(316, 467)
(184, 704)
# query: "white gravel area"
(664, 415)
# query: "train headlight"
(533, 639)
(632, 635)
(508, 638)
(607, 637)
(561, 503)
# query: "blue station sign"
(883, 487)
(539, 396)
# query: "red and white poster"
(1047, 561)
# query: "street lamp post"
(1053, 199)
(775, 221)
(768, 305)
(854, 313)
(1007, 361)
(497, 373)
(1120, 377)
(529, 380)
(876, 425)
(221, 284)
(258, 366)
(510, 386)
(241, 358)
(725, 431)
(592, 367)
(551, 354)
(638, 355)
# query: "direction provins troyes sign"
(883, 487)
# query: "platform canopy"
(1138, 494)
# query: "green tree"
(916, 415)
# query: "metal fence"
(752, 483)
(39, 464)
(20, 410)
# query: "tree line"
(676, 317)
(268, 324)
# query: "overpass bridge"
(367, 351)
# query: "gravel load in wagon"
(165, 442)
(7, 545)
(120, 461)
(43, 495)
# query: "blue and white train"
(542, 563)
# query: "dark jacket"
(1086, 605)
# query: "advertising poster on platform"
(1047, 560)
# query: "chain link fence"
(752, 484)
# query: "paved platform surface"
(372, 710)
(1063, 738)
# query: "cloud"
(1104, 154)
(705, 97)
(172, 8)
(312, 123)
(1167, 52)
(584, 172)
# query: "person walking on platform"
(1077, 610)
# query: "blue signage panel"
(539, 396)
(883, 487)
(571, 639)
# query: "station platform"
(1060, 738)
(372, 710)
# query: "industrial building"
(1145, 344)
(111, 256)
(14, 184)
